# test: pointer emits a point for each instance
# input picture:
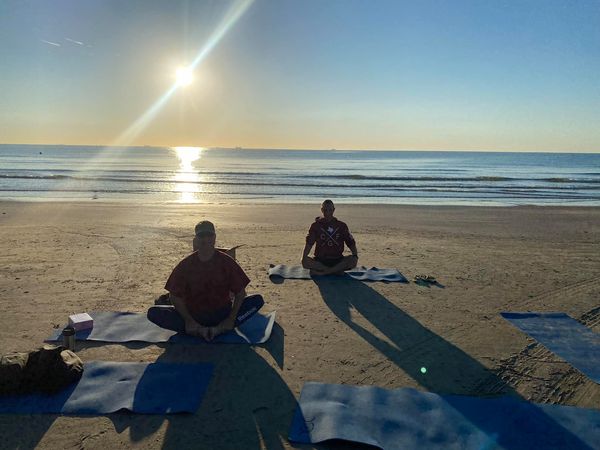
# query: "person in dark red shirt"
(207, 291)
(329, 234)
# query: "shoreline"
(317, 202)
(277, 201)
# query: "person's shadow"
(24, 431)
(247, 403)
(434, 363)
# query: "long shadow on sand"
(247, 404)
(412, 347)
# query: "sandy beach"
(59, 259)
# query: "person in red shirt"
(329, 234)
(207, 291)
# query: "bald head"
(327, 208)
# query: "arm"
(191, 326)
(354, 251)
(229, 323)
(306, 251)
(311, 239)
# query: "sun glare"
(187, 179)
(184, 76)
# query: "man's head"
(205, 236)
(327, 208)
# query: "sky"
(519, 75)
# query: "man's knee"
(159, 313)
(351, 261)
(155, 313)
(250, 306)
(254, 299)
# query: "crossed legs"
(318, 268)
(165, 316)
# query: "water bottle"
(68, 335)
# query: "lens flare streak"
(230, 18)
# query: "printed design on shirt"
(330, 235)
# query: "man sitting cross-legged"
(207, 291)
(329, 235)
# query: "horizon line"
(309, 149)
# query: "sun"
(183, 76)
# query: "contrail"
(51, 43)
(73, 41)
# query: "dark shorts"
(166, 316)
(330, 262)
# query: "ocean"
(196, 175)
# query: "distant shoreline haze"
(313, 149)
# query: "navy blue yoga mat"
(409, 419)
(105, 387)
(358, 273)
(130, 327)
(564, 336)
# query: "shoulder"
(188, 260)
(224, 259)
(341, 224)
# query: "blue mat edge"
(208, 368)
(175, 338)
(348, 273)
(574, 363)
(298, 421)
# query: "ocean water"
(191, 174)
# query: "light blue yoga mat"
(564, 336)
(105, 387)
(358, 273)
(409, 419)
(131, 327)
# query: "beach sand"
(63, 258)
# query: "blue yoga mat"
(358, 273)
(564, 336)
(130, 327)
(409, 419)
(105, 387)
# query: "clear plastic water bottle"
(68, 335)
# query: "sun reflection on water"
(187, 179)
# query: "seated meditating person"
(329, 234)
(207, 291)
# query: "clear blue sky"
(457, 75)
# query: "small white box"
(81, 321)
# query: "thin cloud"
(73, 41)
(56, 44)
